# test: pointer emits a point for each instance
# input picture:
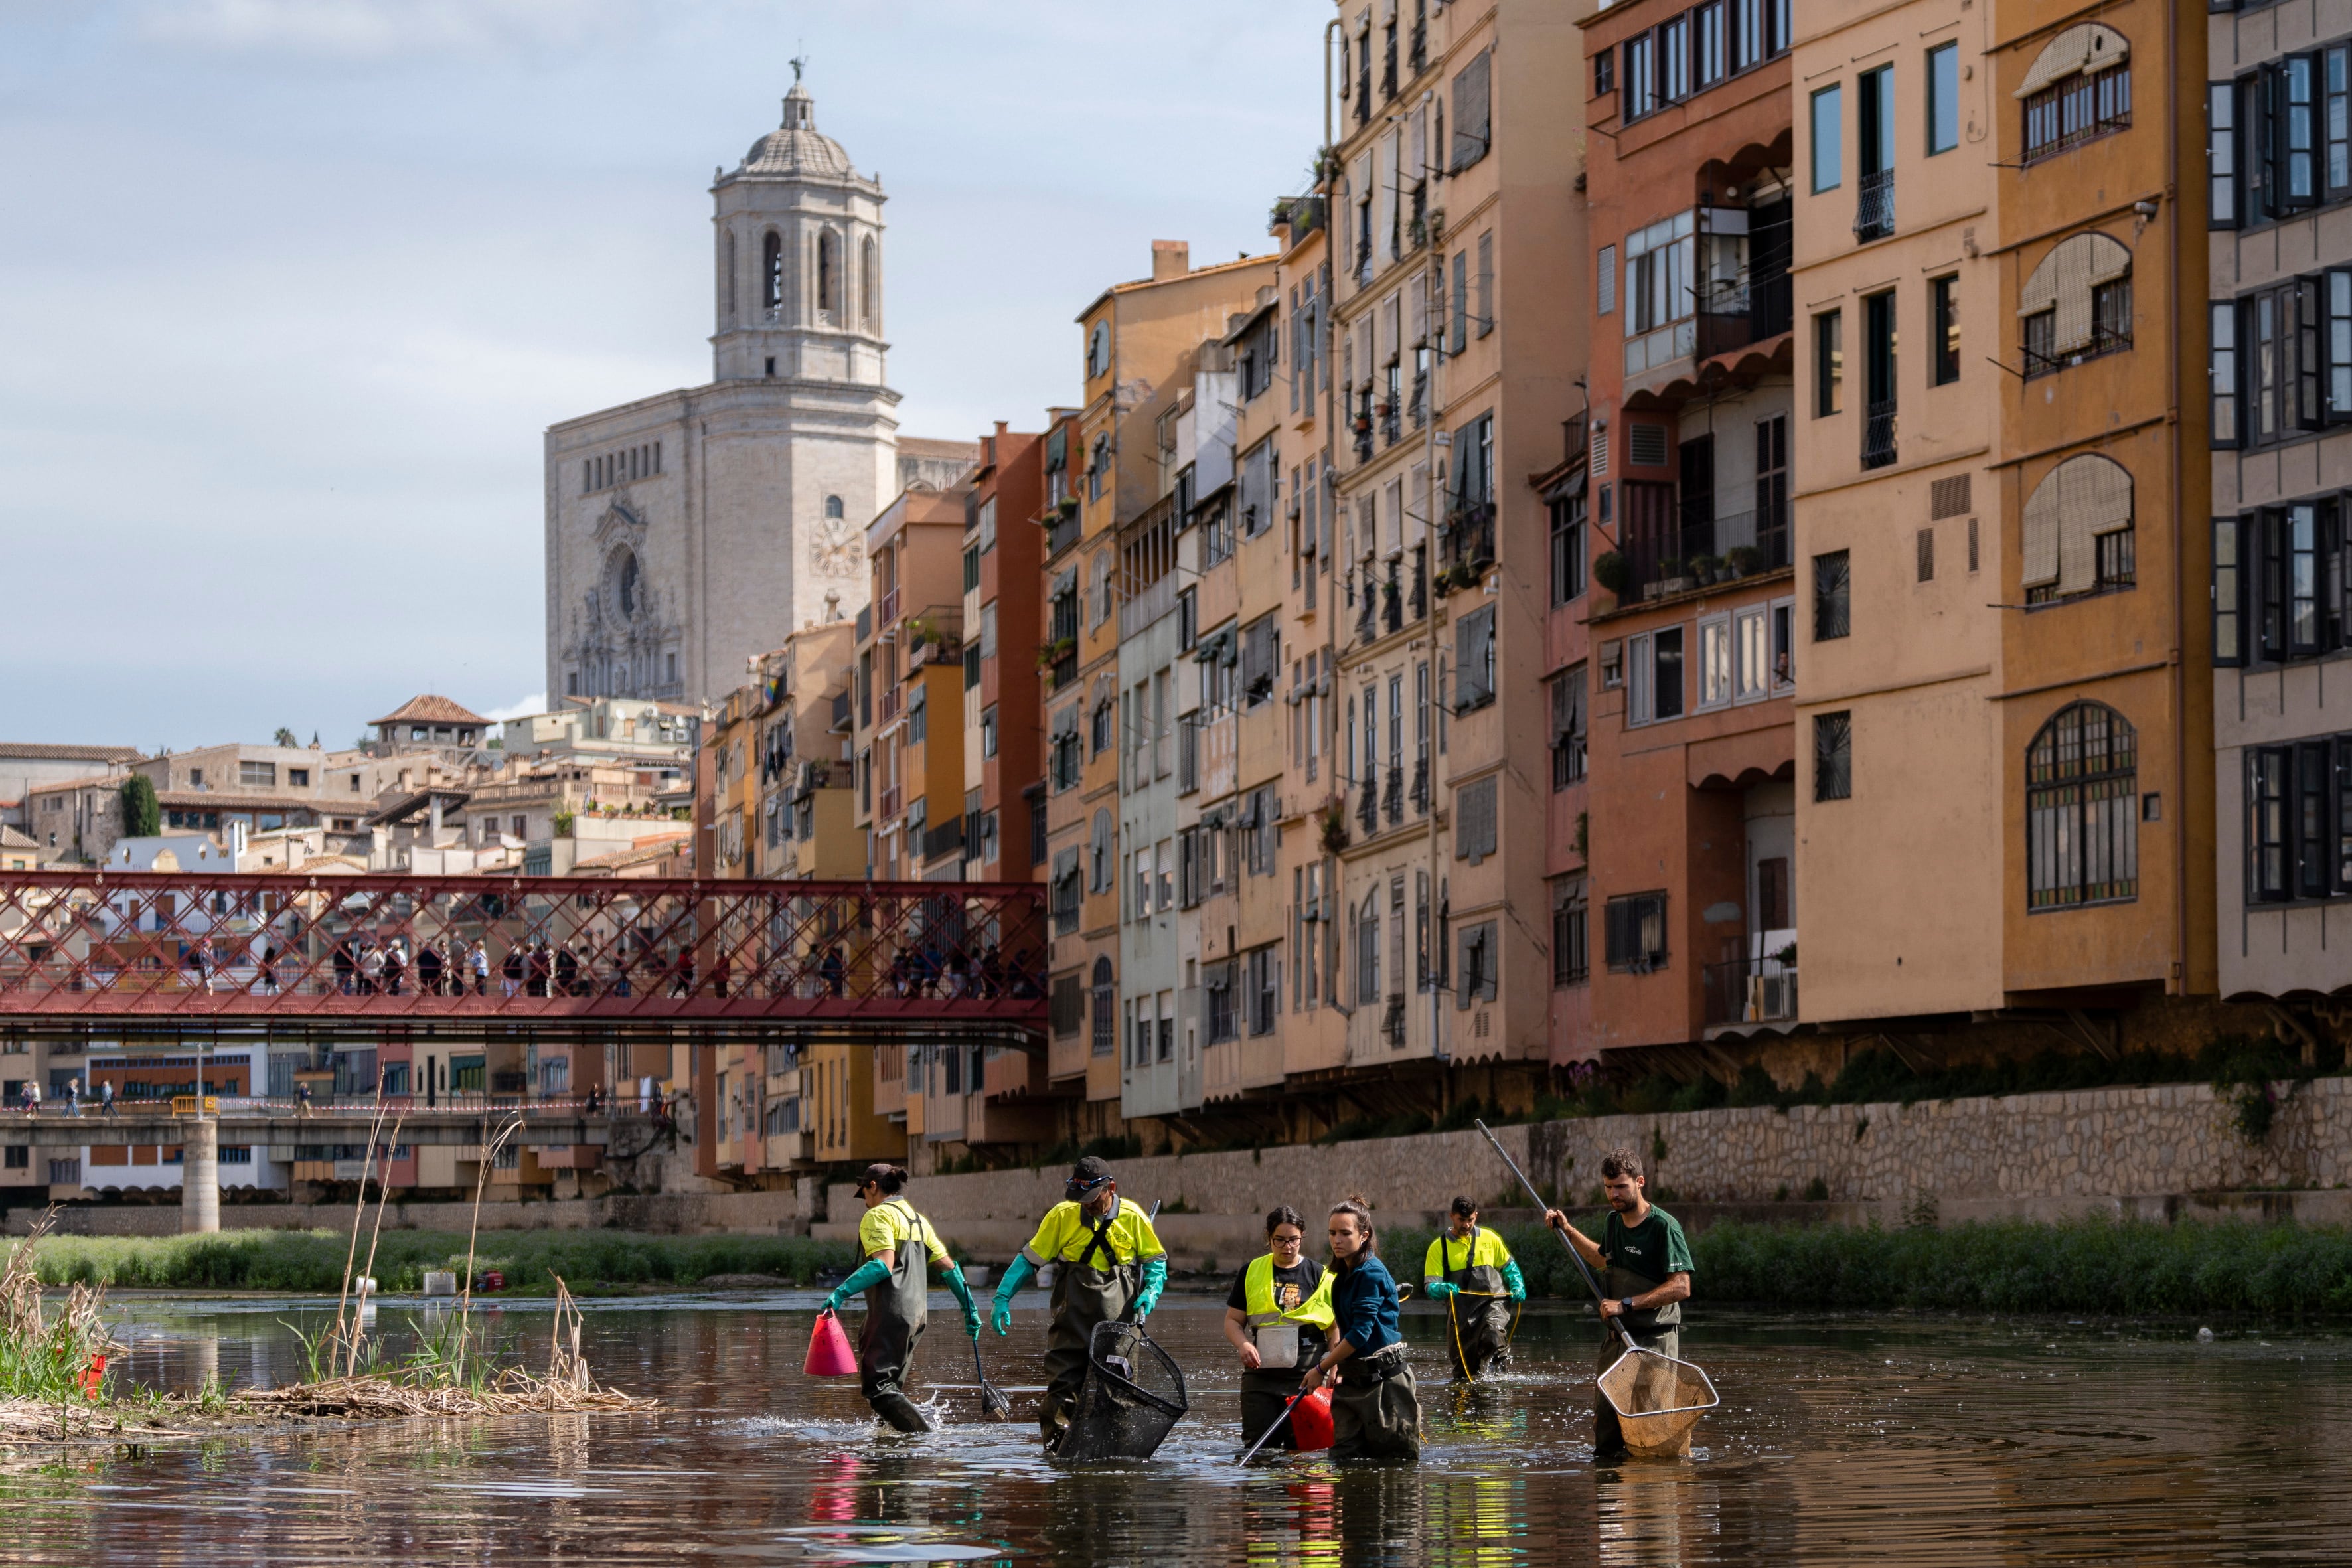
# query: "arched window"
(1367, 950)
(2077, 304)
(730, 275)
(869, 278)
(625, 590)
(2079, 87)
(2081, 810)
(828, 276)
(833, 506)
(1106, 1008)
(772, 270)
(2077, 530)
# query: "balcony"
(1874, 211)
(893, 800)
(888, 705)
(1368, 625)
(945, 841)
(1751, 311)
(1368, 806)
(1878, 434)
(1466, 538)
(1750, 991)
(1681, 556)
(886, 610)
(2041, 360)
(1062, 530)
(1391, 601)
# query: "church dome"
(797, 147)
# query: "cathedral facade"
(689, 532)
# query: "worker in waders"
(894, 1240)
(1278, 1317)
(1473, 1272)
(1375, 1405)
(1109, 1268)
(1644, 1266)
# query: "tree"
(285, 737)
(142, 816)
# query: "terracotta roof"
(94, 780)
(430, 710)
(335, 864)
(12, 839)
(33, 751)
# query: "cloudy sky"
(289, 289)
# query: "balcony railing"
(1368, 624)
(945, 839)
(1368, 806)
(1468, 537)
(887, 610)
(2103, 340)
(1062, 533)
(1751, 312)
(1391, 601)
(1878, 434)
(886, 706)
(893, 799)
(1750, 991)
(1874, 211)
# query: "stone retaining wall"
(661, 1214)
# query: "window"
(1604, 72)
(1367, 950)
(1486, 284)
(1634, 933)
(1571, 945)
(1878, 380)
(2076, 504)
(1832, 595)
(1568, 548)
(1656, 689)
(1099, 350)
(1944, 328)
(1874, 107)
(1715, 662)
(1460, 336)
(1106, 1008)
(1604, 278)
(2081, 810)
(1640, 95)
(1263, 993)
(1473, 112)
(2299, 820)
(1475, 836)
(2079, 87)
(1568, 736)
(1833, 757)
(2076, 304)
(1710, 59)
(1943, 99)
(2222, 154)
(2298, 587)
(1481, 959)
(257, 774)
(1751, 653)
(1925, 542)
(1829, 363)
(1829, 150)
(2229, 594)
(2222, 375)
(1473, 660)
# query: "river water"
(1877, 1441)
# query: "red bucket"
(829, 1354)
(1311, 1421)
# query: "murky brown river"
(1878, 1442)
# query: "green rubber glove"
(868, 1274)
(1438, 1290)
(955, 1282)
(1017, 1273)
(1514, 1281)
(1155, 1280)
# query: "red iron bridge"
(125, 956)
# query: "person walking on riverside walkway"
(1473, 1272)
(1375, 1405)
(1108, 1267)
(1645, 1265)
(1278, 1318)
(895, 1241)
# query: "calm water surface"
(1902, 1441)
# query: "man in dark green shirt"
(1645, 1272)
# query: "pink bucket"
(829, 1354)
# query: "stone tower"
(692, 530)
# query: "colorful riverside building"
(1672, 672)
(2281, 289)
(2003, 810)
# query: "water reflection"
(1896, 1442)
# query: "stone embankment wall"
(2146, 1152)
(660, 1214)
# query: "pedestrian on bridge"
(895, 1241)
(106, 1098)
(32, 1097)
(510, 972)
(428, 968)
(477, 960)
(1108, 1267)
(73, 1096)
(1473, 1272)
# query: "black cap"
(1092, 1171)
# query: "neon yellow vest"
(1257, 1289)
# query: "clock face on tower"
(836, 551)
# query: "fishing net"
(1658, 1399)
(1133, 1394)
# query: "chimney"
(1171, 258)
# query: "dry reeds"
(389, 1397)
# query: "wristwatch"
(1625, 1304)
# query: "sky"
(289, 290)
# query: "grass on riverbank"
(313, 1261)
(2119, 1270)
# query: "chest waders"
(1376, 1408)
(1084, 1296)
(1654, 1329)
(895, 1314)
(1478, 1312)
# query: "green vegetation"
(313, 1261)
(143, 815)
(2121, 1269)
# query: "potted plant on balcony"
(1743, 560)
(1067, 507)
(1331, 827)
(1610, 570)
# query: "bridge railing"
(94, 943)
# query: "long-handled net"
(1133, 1397)
(1658, 1398)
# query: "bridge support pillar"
(199, 1175)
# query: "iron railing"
(1878, 434)
(1874, 211)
